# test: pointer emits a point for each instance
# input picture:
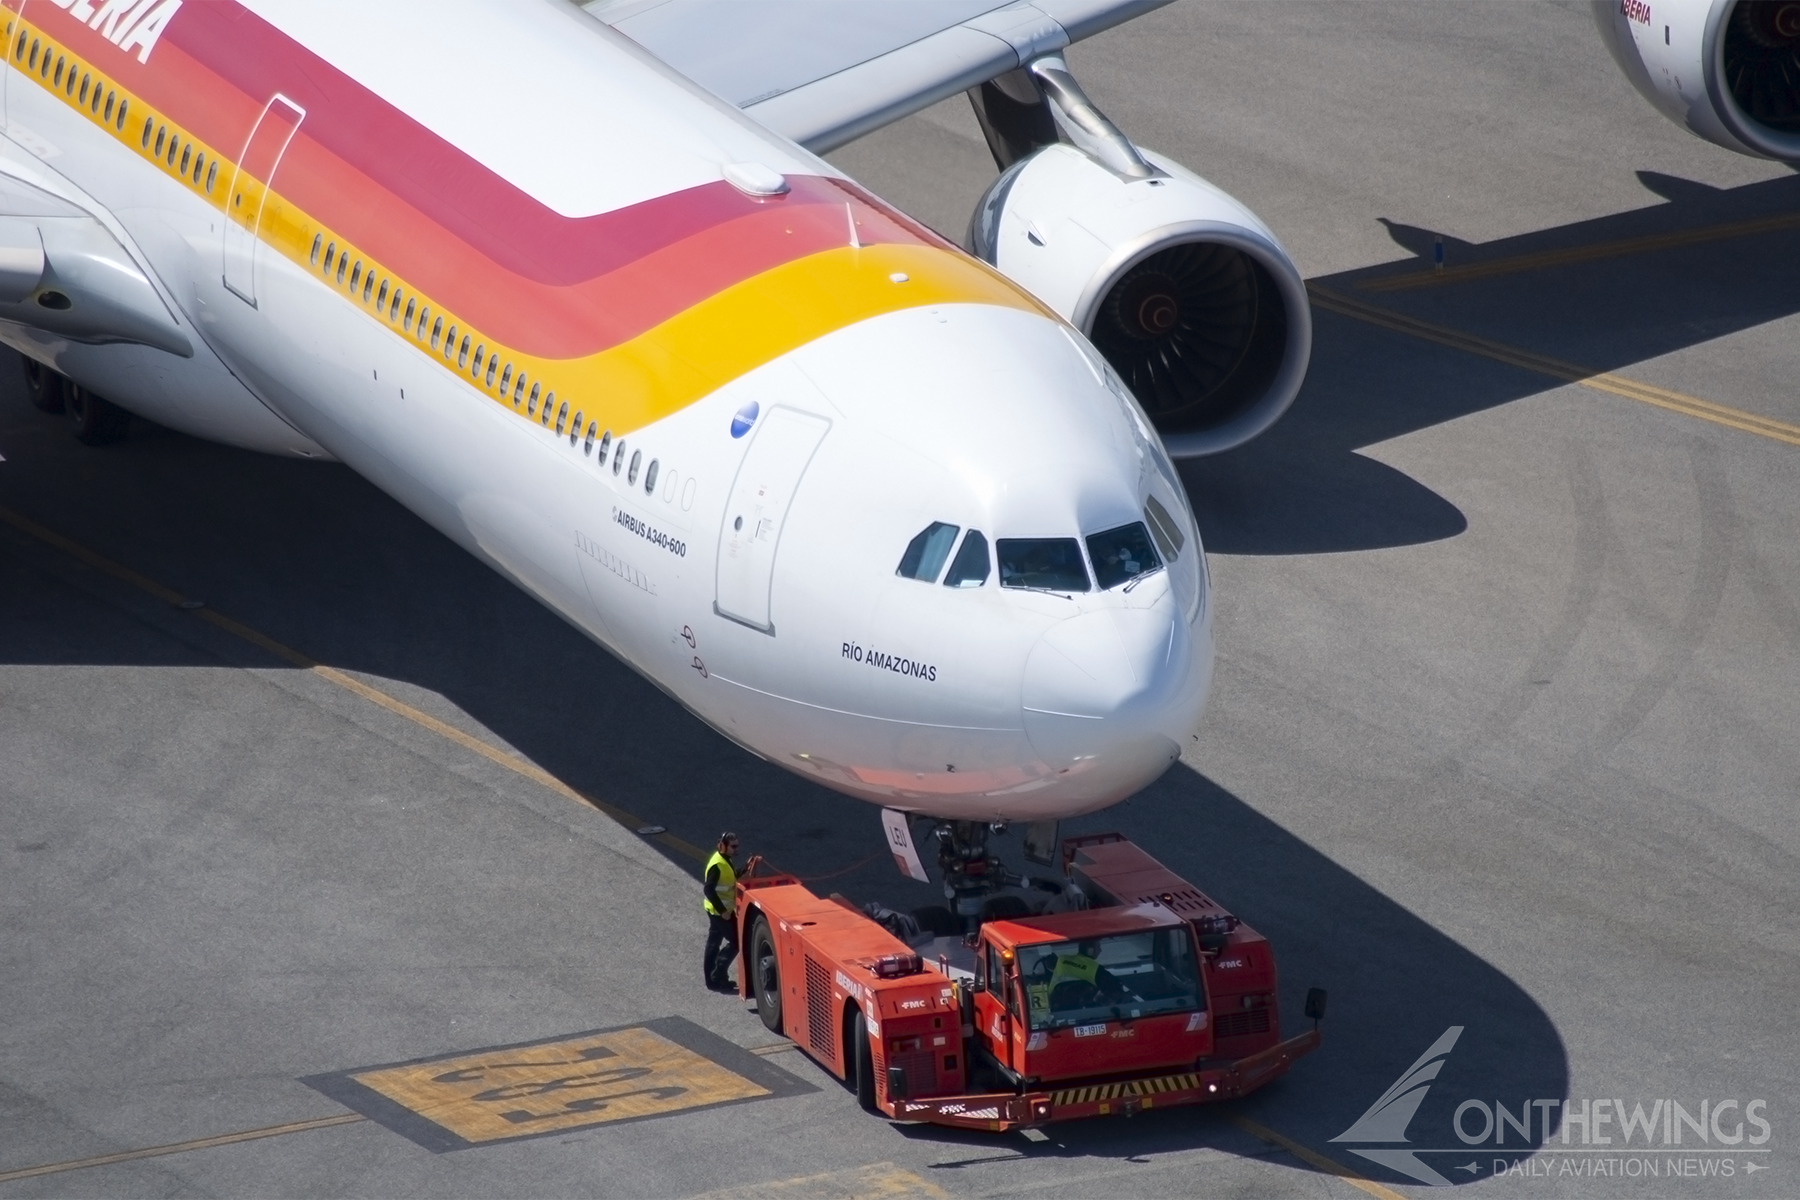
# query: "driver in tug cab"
(1083, 967)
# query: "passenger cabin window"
(1042, 564)
(970, 567)
(1121, 555)
(1164, 528)
(926, 553)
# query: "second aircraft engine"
(1728, 70)
(1185, 292)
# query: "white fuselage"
(755, 580)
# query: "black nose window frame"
(925, 554)
(1121, 555)
(971, 566)
(1042, 564)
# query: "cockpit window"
(970, 569)
(1121, 555)
(1047, 564)
(925, 554)
(1164, 528)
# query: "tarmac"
(305, 812)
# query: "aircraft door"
(784, 443)
(251, 209)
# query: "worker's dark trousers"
(721, 948)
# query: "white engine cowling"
(1728, 70)
(1185, 292)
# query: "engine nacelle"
(1185, 292)
(1728, 70)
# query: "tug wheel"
(864, 1061)
(765, 974)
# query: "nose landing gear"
(973, 877)
(978, 887)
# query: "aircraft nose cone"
(1102, 690)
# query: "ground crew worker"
(719, 896)
(1083, 967)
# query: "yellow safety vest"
(1074, 966)
(727, 888)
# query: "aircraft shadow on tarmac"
(318, 559)
(1303, 488)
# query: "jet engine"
(1727, 70)
(1186, 293)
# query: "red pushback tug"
(1139, 993)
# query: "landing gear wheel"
(765, 975)
(97, 421)
(864, 1064)
(43, 385)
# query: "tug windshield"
(1120, 977)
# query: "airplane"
(576, 288)
(1725, 70)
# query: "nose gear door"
(761, 498)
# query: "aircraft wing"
(825, 72)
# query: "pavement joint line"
(1616, 248)
(1313, 1158)
(1556, 368)
(343, 680)
(224, 1139)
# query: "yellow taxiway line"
(224, 1139)
(1314, 1159)
(1618, 248)
(1556, 368)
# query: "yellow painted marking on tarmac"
(1313, 1158)
(224, 1139)
(621, 1075)
(1556, 368)
(876, 1181)
(1619, 248)
(345, 681)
